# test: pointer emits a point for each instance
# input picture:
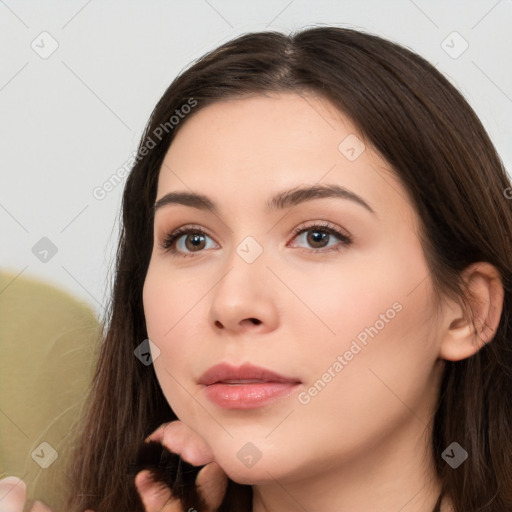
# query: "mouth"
(246, 386)
(242, 381)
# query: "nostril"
(254, 321)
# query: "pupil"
(195, 240)
(316, 237)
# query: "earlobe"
(469, 331)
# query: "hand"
(211, 480)
(13, 493)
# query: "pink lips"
(246, 386)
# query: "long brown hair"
(443, 156)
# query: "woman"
(317, 242)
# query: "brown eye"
(195, 241)
(321, 238)
(317, 239)
(185, 241)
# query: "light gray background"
(70, 120)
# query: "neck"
(396, 476)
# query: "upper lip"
(225, 372)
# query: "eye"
(321, 237)
(187, 240)
(325, 237)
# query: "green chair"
(48, 344)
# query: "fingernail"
(10, 482)
(39, 506)
(12, 492)
(157, 435)
(143, 480)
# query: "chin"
(252, 476)
(244, 463)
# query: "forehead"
(244, 150)
(255, 128)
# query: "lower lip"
(248, 396)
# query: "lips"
(246, 386)
(245, 374)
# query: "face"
(328, 288)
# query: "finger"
(211, 484)
(39, 506)
(155, 497)
(12, 494)
(180, 439)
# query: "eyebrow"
(282, 200)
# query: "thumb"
(211, 482)
(155, 497)
(13, 492)
(39, 506)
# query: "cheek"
(337, 303)
(171, 308)
(378, 366)
(170, 299)
(377, 314)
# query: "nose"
(245, 298)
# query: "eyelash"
(169, 242)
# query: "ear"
(469, 331)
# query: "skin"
(211, 480)
(368, 428)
